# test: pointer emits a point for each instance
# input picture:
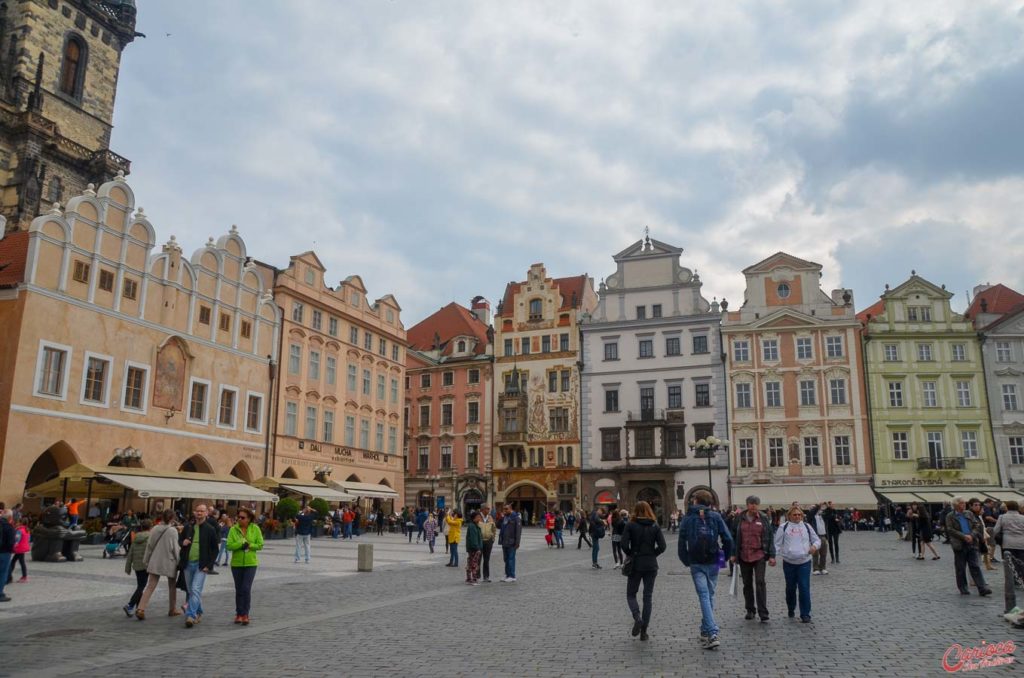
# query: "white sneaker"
(503, 580)
(617, 566)
(1013, 615)
(511, 580)
(816, 572)
(824, 571)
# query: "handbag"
(627, 566)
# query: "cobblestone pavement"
(878, 613)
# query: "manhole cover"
(59, 632)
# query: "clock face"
(783, 290)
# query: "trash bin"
(364, 558)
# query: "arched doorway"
(689, 495)
(195, 464)
(242, 472)
(48, 465)
(606, 498)
(529, 500)
(290, 473)
(653, 497)
(472, 500)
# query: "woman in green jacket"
(244, 539)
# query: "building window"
(294, 359)
(314, 365)
(135, 388)
(563, 342)
(1017, 449)
(446, 457)
(641, 312)
(741, 351)
(424, 416)
(350, 431)
(332, 326)
(510, 420)
(381, 386)
(969, 444)
(424, 458)
(508, 347)
(204, 315)
(559, 419)
(425, 380)
(394, 391)
(297, 310)
(804, 348)
(702, 431)
(367, 341)
(834, 347)
(291, 419)
(959, 353)
(225, 322)
(892, 353)
(379, 438)
(253, 412)
(392, 439)
(611, 400)
(963, 393)
(474, 376)
(364, 434)
(672, 346)
(446, 414)
(106, 281)
(447, 378)
(395, 353)
(675, 397)
(895, 394)
(746, 452)
(1010, 397)
(96, 374)
(382, 348)
(842, 449)
(773, 394)
(783, 290)
(246, 329)
(743, 399)
(924, 352)
(935, 445)
(318, 320)
(565, 380)
(900, 445)
(837, 390)
(72, 70)
(197, 402)
(919, 314)
(536, 309)
(351, 378)
(367, 378)
(646, 348)
(226, 410)
(812, 453)
(472, 412)
(647, 403)
(644, 443)
(776, 452)
(770, 350)
(611, 351)
(1004, 352)
(656, 311)
(81, 272)
(130, 289)
(675, 439)
(929, 394)
(700, 344)
(353, 336)
(808, 395)
(472, 456)
(461, 347)
(545, 344)
(553, 381)
(702, 395)
(332, 370)
(524, 346)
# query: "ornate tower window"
(72, 70)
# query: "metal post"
(88, 496)
(710, 452)
(64, 492)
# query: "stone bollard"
(364, 558)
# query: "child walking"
(474, 549)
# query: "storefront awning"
(902, 497)
(1005, 495)
(935, 496)
(780, 495)
(323, 492)
(188, 488)
(366, 489)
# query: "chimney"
(481, 308)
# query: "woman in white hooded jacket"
(796, 543)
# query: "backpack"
(703, 544)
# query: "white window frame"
(953, 353)
(331, 370)
(1009, 393)
(106, 382)
(813, 392)
(292, 431)
(234, 410)
(961, 401)
(259, 421)
(1015, 444)
(145, 387)
(206, 405)
(778, 394)
(891, 356)
(965, 441)
(830, 343)
(748, 395)
(1000, 346)
(741, 351)
(305, 422)
(745, 452)
(65, 371)
(896, 389)
(904, 442)
(842, 441)
(933, 392)
(925, 352)
(809, 344)
(774, 345)
(838, 387)
(294, 359)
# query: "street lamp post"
(433, 498)
(708, 447)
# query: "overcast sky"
(437, 149)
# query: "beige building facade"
(110, 341)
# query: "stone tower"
(59, 64)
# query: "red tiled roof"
(13, 252)
(449, 322)
(1000, 298)
(570, 288)
(874, 310)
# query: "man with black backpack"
(703, 536)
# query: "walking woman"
(796, 543)
(618, 527)
(22, 545)
(922, 529)
(161, 560)
(474, 548)
(583, 528)
(244, 540)
(136, 561)
(642, 542)
(454, 523)
(430, 531)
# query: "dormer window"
(536, 309)
(461, 347)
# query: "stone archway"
(242, 472)
(689, 496)
(353, 479)
(654, 497)
(290, 473)
(530, 499)
(50, 463)
(196, 464)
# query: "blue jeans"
(798, 578)
(705, 579)
(595, 549)
(348, 531)
(222, 554)
(302, 544)
(194, 579)
(509, 554)
(5, 566)
(453, 550)
(558, 539)
(335, 530)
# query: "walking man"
(964, 531)
(488, 531)
(510, 535)
(816, 519)
(702, 534)
(833, 526)
(754, 546)
(597, 527)
(199, 547)
(304, 531)
(583, 530)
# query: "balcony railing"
(940, 463)
(645, 415)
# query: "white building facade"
(652, 378)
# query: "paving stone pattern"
(879, 613)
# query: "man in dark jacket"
(199, 547)
(833, 526)
(964, 531)
(304, 531)
(597, 529)
(701, 536)
(511, 533)
(753, 546)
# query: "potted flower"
(272, 529)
